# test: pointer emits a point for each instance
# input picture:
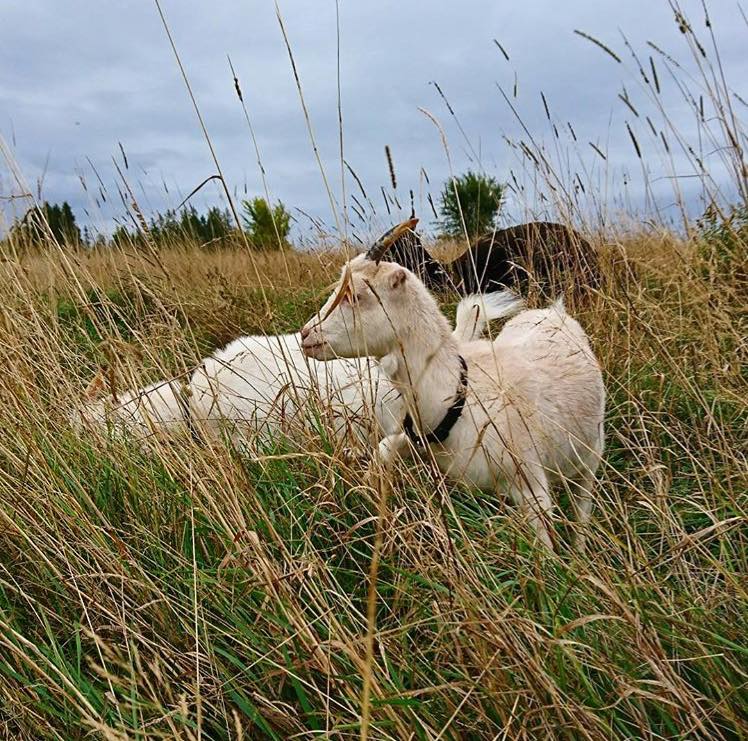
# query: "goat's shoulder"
(485, 363)
(476, 351)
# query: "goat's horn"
(377, 250)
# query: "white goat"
(527, 413)
(259, 384)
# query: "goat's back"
(157, 409)
(266, 382)
(544, 255)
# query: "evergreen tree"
(68, 230)
(121, 237)
(173, 228)
(38, 222)
(218, 223)
(170, 227)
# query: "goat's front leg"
(534, 500)
(390, 449)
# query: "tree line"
(469, 205)
(266, 227)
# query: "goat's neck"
(426, 369)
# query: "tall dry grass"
(194, 591)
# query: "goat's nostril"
(304, 332)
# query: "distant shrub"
(474, 197)
(267, 227)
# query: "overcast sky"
(79, 77)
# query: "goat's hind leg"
(581, 499)
(532, 495)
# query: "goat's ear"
(97, 387)
(398, 278)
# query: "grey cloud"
(80, 77)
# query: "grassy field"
(191, 591)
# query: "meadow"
(193, 590)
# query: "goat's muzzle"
(312, 344)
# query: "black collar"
(441, 432)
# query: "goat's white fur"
(258, 384)
(474, 312)
(534, 411)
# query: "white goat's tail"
(474, 312)
(559, 305)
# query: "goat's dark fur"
(540, 254)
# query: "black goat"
(539, 255)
